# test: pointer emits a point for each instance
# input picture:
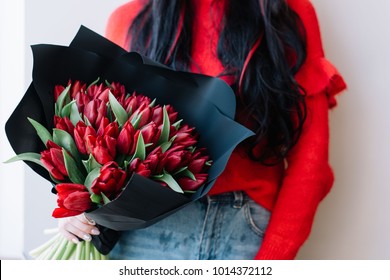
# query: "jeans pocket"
(257, 217)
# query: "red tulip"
(198, 162)
(139, 167)
(151, 133)
(81, 100)
(125, 142)
(107, 128)
(73, 199)
(64, 124)
(110, 181)
(145, 111)
(152, 161)
(118, 90)
(171, 161)
(103, 148)
(58, 89)
(53, 160)
(187, 184)
(81, 131)
(157, 115)
(133, 102)
(95, 111)
(77, 87)
(185, 137)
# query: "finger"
(84, 218)
(90, 228)
(70, 228)
(70, 237)
(80, 222)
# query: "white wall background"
(353, 221)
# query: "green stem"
(70, 246)
(78, 250)
(53, 249)
(39, 250)
(61, 248)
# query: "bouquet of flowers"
(102, 136)
(126, 159)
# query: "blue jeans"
(222, 227)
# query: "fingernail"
(95, 231)
(75, 241)
(87, 237)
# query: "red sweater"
(292, 191)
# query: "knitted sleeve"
(308, 176)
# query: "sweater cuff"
(276, 251)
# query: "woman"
(270, 52)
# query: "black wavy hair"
(262, 44)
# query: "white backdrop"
(353, 221)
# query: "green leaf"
(171, 182)
(61, 100)
(105, 198)
(153, 103)
(96, 198)
(181, 170)
(164, 137)
(65, 112)
(71, 167)
(165, 146)
(65, 140)
(75, 116)
(135, 120)
(93, 83)
(91, 164)
(189, 174)
(33, 157)
(86, 121)
(119, 111)
(91, 177)
(108, 84)
(177, 124)
(140, 149)
(209, 163)
(42, 132)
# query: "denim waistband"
(237, 198)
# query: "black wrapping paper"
(204, 102)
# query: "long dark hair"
(261, 43)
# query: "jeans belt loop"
(238, 200)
